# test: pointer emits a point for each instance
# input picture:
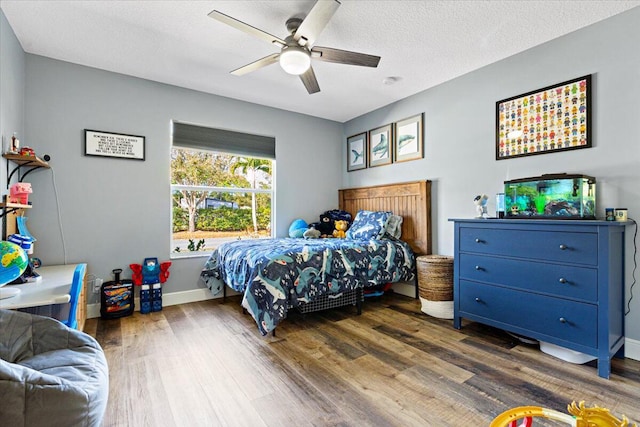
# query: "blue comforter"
(277, 274)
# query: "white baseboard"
(184, 297)
(632, 349)
(173, 298)
(407, 289)
(631, 346)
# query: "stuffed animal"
(297, 228)
(19, 193)
(341, 228)
(337, 214)
(325, 226)
(311, 233)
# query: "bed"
(275, 275)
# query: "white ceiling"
(424, 43)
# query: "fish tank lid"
(550, 176)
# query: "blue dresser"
(559, 281)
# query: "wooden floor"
(205, 364)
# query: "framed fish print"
(547, 120)
(380, 146)
(357, 152)
(407, 141)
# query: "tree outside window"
(218, 197)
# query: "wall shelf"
(7, 205)
(31, 163)
(22, 165)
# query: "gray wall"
(12, 75)
(115, 212)
(460, 130)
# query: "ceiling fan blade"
(316, 20)
(239, 25)
(329, 54)
(309, 80)
(267, 60)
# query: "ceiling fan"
(297, 49)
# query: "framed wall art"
(407, 141)
(380, 146)
(357, 152)
(109, 144)
(547, 120)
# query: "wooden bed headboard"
(411, 200)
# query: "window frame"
(220, 141)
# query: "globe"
(13, 262)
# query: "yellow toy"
(341, 227)
(581, 416)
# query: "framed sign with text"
(109, 144)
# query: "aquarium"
(552, 196)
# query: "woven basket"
(435, 277)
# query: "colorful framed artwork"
(380, 146)
(407, 141)
(547, 120)
(357, 152)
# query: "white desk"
(52, 289)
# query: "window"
(221, 188)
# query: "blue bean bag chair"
(50, 375)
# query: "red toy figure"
(136, 277)
(149, 276)
(164, 271)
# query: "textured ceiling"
(423, 43)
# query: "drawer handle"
(563, 247)
(562, 280)
(562, 320)
(478, 300)
(479, 268)
(479, 241)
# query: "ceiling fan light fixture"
(295, 60)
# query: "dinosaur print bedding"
(275, 275)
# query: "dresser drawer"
(562, 246)
(567, 320)
(567, 281)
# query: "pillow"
(368, 225)
(393, 226)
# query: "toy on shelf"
(149, 276)
(19, 193)
(481, 205)
(15, 144)
(27, 151)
